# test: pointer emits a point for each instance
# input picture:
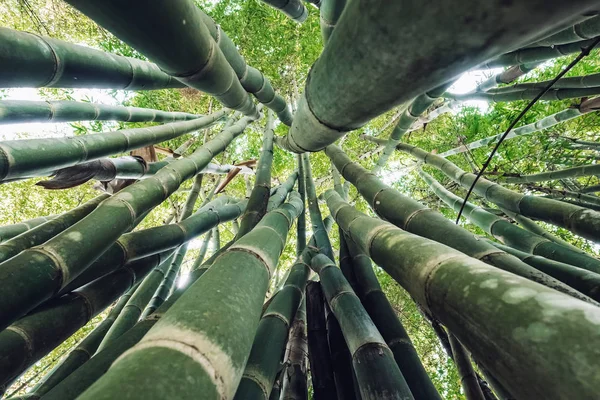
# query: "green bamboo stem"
(133, 309)
(416, 108)
(389, 325)
(575, 82)
(10, 231)
(259, 198)
(135, 245)
(162, 290)
(587, 29)
(416, 218)
(468, 379)
(505, 77)
(591, 189)
(574, 172)
(185, 51)
(452, 287)
(527, 94)
(293, 9)
(201, 343)
(27, 157)
(578, 278)
(321, 369)
(203, 249)
(20, 111)
(544, 123)
(281, 192)
(30, 60)
(82, 353)
(561, 194)
(41, 233)
(301, 225)
(377, 374)
(272, 333)
(33, 336)
(36, 274)
(316, 220)
(579, 220)
(294, 386)
(513, 235)
(252, 80)
(536, 54)
(329, 108)
(329, 14)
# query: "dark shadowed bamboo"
(10, 231)
(184, 50)
(389, 325)
(294, 386)
(202, 343)
(584, 200)
(20, 111)
(579, 220)
(35, 335)
(511, 234)
(321, 368)
(416, 218)
(507, 76)
(259, 198)
(330, 11)
(469, 297)
(301, 225)
(29, 157)
(47, 230)
(377, 373)
(468, 379)
(293, 9)
(329, 108)
(28, 60)
(82, 353)
(36, 274)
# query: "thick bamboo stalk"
(587, 29)
(28, 60)
(259, 198)
(293, 9)
(321, 369)
(36, 274)
(536, 54)
(416, 218)
(513, 235)
(201, 343)
(329, 108)
(544, 123)
(505, 77)
(25, 111)
(185, 51)
(468, 379)
(578, 278)
(452, 287)
(27, 157)
(33, 336)
(579, 220)
(389, 325)
(41, 233)
(82, 353)
(377, 374)
(10, 231)
(528, 94)
(329, 14)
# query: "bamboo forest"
(299, 199)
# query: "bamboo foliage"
(201, 343)
(35, 274)
(449, 285)
(27, 157)
(19, 111)
(329, 108)
(579, 220)
(185, 51)
(30, 60)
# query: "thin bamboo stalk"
(281, 192)
(202, 343)
(29, 60)
(10, 231)
(329, 108)
(37, 273)
(27, 157)
(316, 220)
(294, 385)
(450, 286)
(185, 51)
(301, 225)
(573, 172)
(293, 9)
(574, 82)
(21, 111)
(468, 379)
(527, 94)
(505, 77)
(583, 198)
(581, 221)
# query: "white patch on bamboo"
(518, 295)
(489, 284)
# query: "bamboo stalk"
(574, 172)
(29, 60)
(202, 343)
(527, 94)
(329, 14)
(37, 273)
(582, 221)
(293, 9)
(10, 231)
(185, 51)
(316, 220)
(301, 225)
(505, 77)
(574, 82)
(294, 385)
(329, 108)
(468, 379)
(437, 277)
(587, 29)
